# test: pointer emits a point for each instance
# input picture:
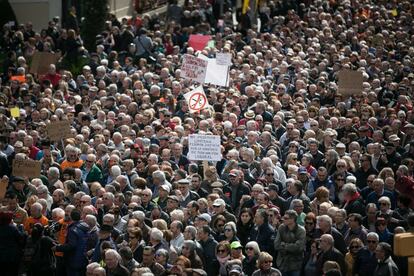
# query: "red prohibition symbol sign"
(198, 101)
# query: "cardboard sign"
(198, 42)
(4, 182)
(350, 82)
(26, 167)
(223, 59)
(204, 147)
(193, 68)
(196, 100)
(58, 130)
(41, 62)
(216, 74)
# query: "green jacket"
(290, 246)
(94, 174)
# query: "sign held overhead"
(204, 147)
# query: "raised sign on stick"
(204, 147)
(194, 69)
(350, 82)
(26, 167)
(58, 130)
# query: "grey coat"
(290, 246)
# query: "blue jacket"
(264, 235)
(75, 246)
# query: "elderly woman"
(252, 254)
(264, 265)
(189, 250)
(321, 196)
(223, 255)
(354, 246)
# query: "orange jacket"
(28, 224)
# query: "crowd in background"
(311, 181)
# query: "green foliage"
(95, 13)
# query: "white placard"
(223, 59)
(194, 68)
(196, 99)
(204, 147)
(216, 74)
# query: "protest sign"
(26, 167)
(196, 99)
(198, 42)
(223, 59)
(194, 68)
(41, 62)
(4, 182)
(58, 130)
(216, 74)
(204, 147)
(350, 82)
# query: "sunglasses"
(249, 248)
(371, 241)
(221, 251)
(228, 229)
(354, 247)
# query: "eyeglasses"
(145, 195)
(309, 223)
(228, 229)
(249, 248)
(221, 251)
(340, 179)
(220, 225)
(292, 146)
(83, 201)
(371, 241)
(270, 174)
(383, 203)
(89, 161)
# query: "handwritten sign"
(223, 59)
(58, 130)
(3, 186)
(350, 82)
(26, 167)
(193, 68)
(41, 62)
(216, 74)
(204, 147)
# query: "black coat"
(331, 255)
(241, 190)
(356, 206)
(264, 235)
(209, 249)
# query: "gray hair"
(156, 234)
(349, 188)
(53, 171)
(159, 174)
(59, 212)
(255, 247)
(192, 230)
(325, 218)
(373, 235)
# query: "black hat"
(18, 179)
(106, 228)
(273, 187)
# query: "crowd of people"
(311, 182)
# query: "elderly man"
(325, 227)
(35, 217)
(113, 264)
(290, 244)
(235, 189)
(90, 171)
(219, 208)
(329, 253)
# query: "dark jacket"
(387, 268)
(11, 243)
(338, 238)
(355, 206)
(94, 174)
(249, 265)
(211, 264)
(331, 255)
(365, 262)
(242, 189)
(75, 246)
(290, 245)
(264, 235)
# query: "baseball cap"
(205, 217)
(235, 270)
(165, 188)
(219, 202)
(302, 170)
(235, 245)
(183, 182)
(393, 138)
(174, 197)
